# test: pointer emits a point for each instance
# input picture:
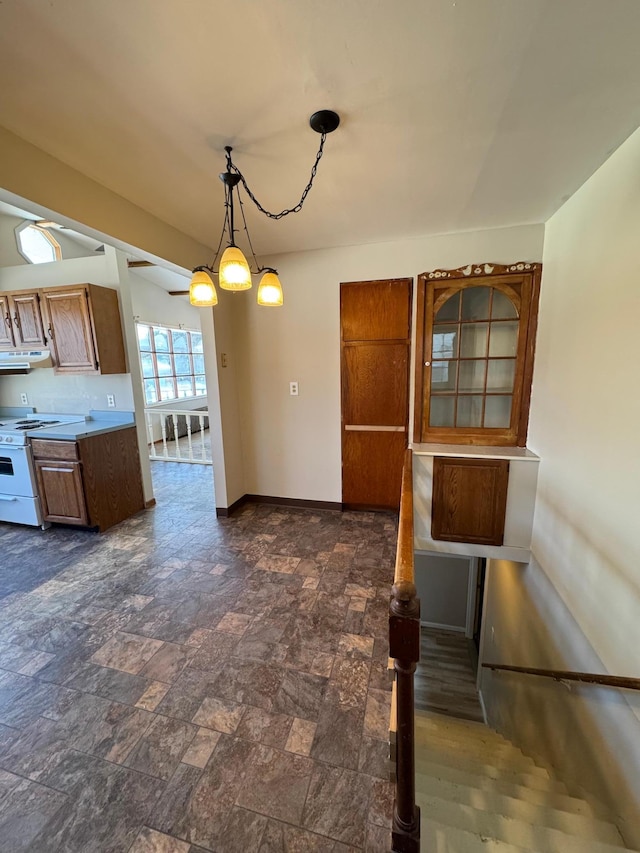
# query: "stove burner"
(33, 424)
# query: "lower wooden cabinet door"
(469, 499)
(61, 491)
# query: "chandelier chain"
(224, 229)
(289, 210)
(246, 231)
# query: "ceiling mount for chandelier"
(234, 272)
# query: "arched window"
(37, 245)
(475, 370)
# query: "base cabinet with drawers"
(93, 482)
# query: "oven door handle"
(5, 498)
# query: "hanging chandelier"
(234, 272)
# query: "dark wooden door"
(27, 320)
(375, 322)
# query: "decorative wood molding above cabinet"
(476, 329)
(80, 324)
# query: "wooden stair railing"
(568, 675)
(404, 649)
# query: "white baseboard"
(459, 628)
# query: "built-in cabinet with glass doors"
(476, 334)
(475, 344)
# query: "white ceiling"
(456, 114)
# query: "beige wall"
(577, 604)
(292, 444)
(9, 254)
(31, 179)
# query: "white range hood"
(18, 362)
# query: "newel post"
(404, 648)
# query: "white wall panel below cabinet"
(523, 478)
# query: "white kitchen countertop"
(468, 451)
(95, 423)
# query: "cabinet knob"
(427, 364)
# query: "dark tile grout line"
(167, 782)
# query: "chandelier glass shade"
(202, 291)
(270, 290)
(234, 272)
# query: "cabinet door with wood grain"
(375, 321)
(469, 499)
(70, 330)
(6, 324)
(27, 320)
(61, 492)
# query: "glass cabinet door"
(475, 362)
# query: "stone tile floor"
(183, 683)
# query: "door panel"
(376, 334)
(61, 492)
(469, 499)
(372, 393)
(27, 320)
(372, 468)
(375, 310)
(6, 325)
(70, 330)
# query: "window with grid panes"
(172, 363)
(476, 336)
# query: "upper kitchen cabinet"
(22, 326)
(6, 327)
(84, 329)
(474, 354)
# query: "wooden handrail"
(404, 648)
(568, 675)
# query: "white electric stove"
(19, 500)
